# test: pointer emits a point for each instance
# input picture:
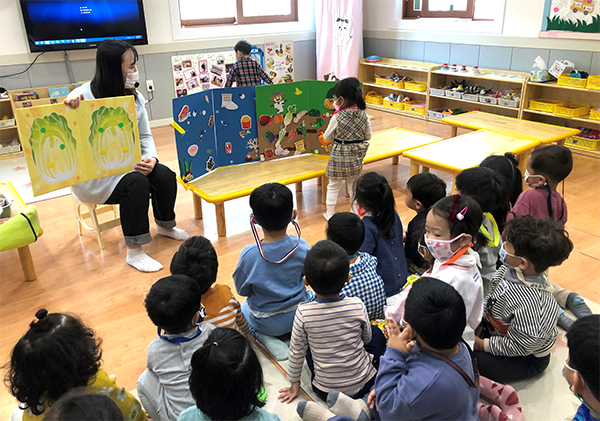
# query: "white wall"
(520, 27)
(14, 48)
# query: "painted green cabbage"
(112, 138)
(54, 149)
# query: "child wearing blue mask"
(520, 314)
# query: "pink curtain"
(339, 37)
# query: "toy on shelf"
(476, 70)
(587, 139)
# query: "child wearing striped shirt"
(197, 259)
(520, 314)
(336, 328)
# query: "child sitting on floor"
(383, 230)
(173, 305)
(422, 191)
(334, 329)
(520, 313)
(59, 353)
(490, 190)
(347, 230)
(84, 404)
(427, 371)
(547, 166)
(581, 368)
(269, 272)
(226, 380)
(451, 227)
(197, 259)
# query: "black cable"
(28, 67)
(150, 100)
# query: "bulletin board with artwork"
(574, 19)
(64, 146)
(199, 72)
(279, 61)
(215, 128)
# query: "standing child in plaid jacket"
(350, 130)
(246, 71)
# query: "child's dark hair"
(243, 47)
(436, 312)
(427, 188)
(489, 189)
(84, 404)
(326, 268)
(507, 166)
(349, 89)
(58, 353)
(226, 376)
(197, 259)
(347, 230)
(552, 161)
(373, 193)
(583, 340)
(542, 241)
(450, 206)
(172, 303)
(272, 206)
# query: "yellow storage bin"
(382, 81)
(416, 86)
(572, 81)
(546, 105)
(594, 82)
(595, 113)
(572, 110)
(373, 97)
(416, 107)
(580, 142)
(398, 85)
(393, 104)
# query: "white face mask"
(131, 80)
(526, 177)
(441, 249)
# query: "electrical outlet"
(150, 85)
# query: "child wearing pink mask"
(451, 227)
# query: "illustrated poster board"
(219, 129)
(199, 72)
(575, 19)
(292, 118)
(64, 146)
(279, 61)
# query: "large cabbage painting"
(53, 148)
(112, 138)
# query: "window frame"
(409, 13)
(240, 19)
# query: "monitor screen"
(78, 24)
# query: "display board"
(65, 146)
(199, 72)
(279, 61)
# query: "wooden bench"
(477, 120)
(227, 183)
(467, 151)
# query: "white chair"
(92, 212)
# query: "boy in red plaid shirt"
(246, 71)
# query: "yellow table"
(227, 183)
(544, 133)
(467, 151)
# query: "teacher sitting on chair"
(117, 75)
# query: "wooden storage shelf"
(395, 111)
(585, 152)
(564, 87)
(580, 119)
(477, 104)
(374, 85)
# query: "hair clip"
(461, 215)
(454, 208)
(41, 314)
(215, 343)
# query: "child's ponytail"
(360, 100)
(375, 195)
(349, 89)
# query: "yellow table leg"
(425, 169)
(220, 211)
(453, 131)
(27, 263)
(395, 160)
(347, 190)
(319, 181)
(414, 168)
(299, 186)
(197, 206)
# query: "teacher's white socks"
(174, 233)
(137, 258)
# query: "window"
(462, 9)
(224, 12)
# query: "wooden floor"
(75, 276)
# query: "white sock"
(312, 411)
(341, 404)
(276, 347)
(174, 233)
(141, 261)
(328, 215)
